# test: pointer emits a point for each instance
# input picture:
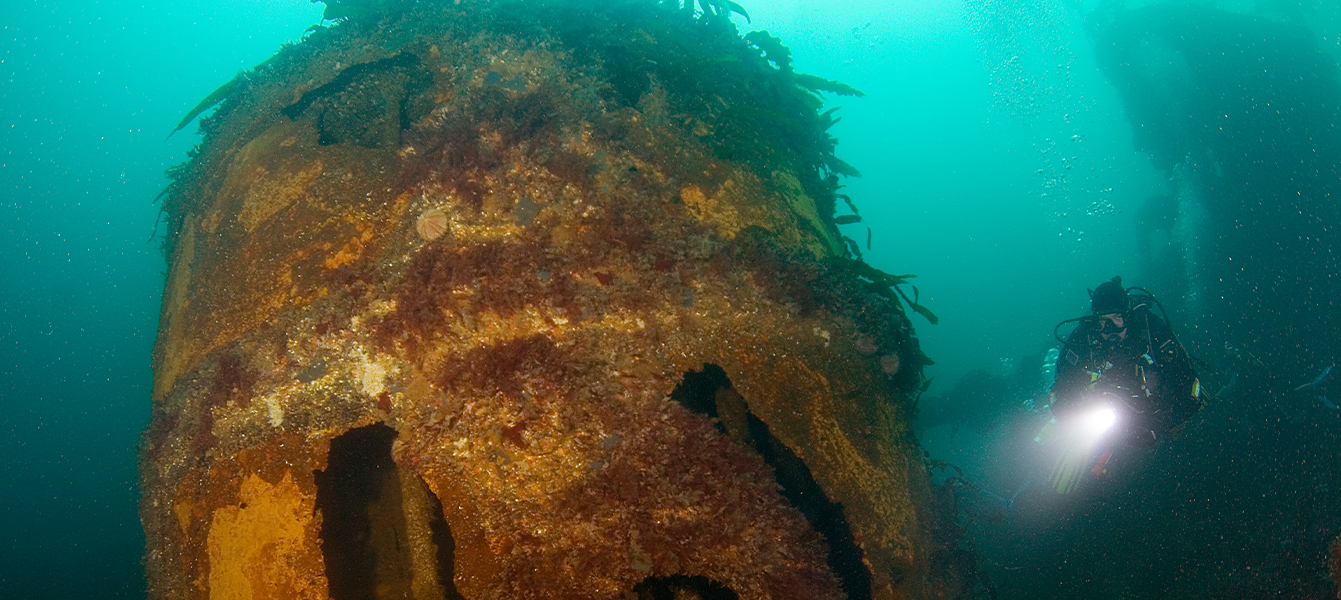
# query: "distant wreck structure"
(530, 299)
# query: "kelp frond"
(708, 8)
(773, 49)
(884, 282)
(215, 97)
(820, 84)
(840, 166)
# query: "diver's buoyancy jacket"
(1147, 367)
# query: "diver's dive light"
(1097, 421)
(1079, 438)
(1086, 428)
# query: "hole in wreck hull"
(370, 511)
(682, 586)
(446, 549)
(709, 392)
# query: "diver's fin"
(1069, 468)
(1328, 403)
(1101, 467)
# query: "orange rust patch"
(256, 545)
(352, 250)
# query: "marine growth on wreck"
(529, 299)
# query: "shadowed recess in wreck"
(682, 586)
(375, 518)
(709, 392)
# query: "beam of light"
(1098, 420)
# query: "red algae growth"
(527, 300)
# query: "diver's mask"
(1112, 326)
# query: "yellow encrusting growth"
(711, 210)
(253, 545)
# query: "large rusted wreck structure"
(528, 300)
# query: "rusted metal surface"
(472, 227)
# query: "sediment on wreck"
(526, 300)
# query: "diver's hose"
(1059, 326)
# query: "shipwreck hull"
(501, 302)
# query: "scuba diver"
(1121, 375)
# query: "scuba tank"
(1049, 368)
